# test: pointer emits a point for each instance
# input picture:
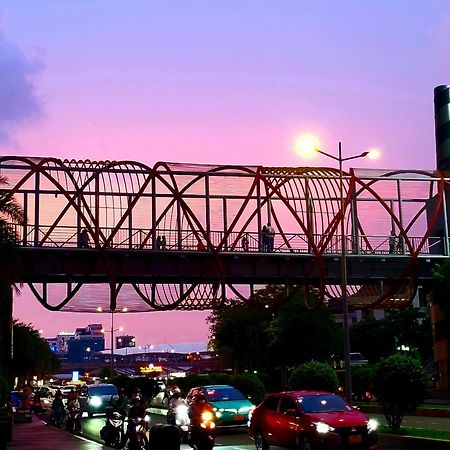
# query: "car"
(231, 407)
(96, 398)
(310, 419)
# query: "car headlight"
(372, 425)
(323, 428)
(95, 401)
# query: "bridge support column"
(441, 346)
(6, 374)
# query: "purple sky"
(211, 81)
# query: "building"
(87, 341)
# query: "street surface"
(235, 438)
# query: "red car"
(310, 420)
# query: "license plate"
(238, 417)
(355, 439)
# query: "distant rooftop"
(185, 348)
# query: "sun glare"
(306, 145)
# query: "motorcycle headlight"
(323, 428)
(207, 416)
(95, 401)
(372, 425)
(147, 418)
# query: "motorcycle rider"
(174, 401)
(198, 407)
(121, 403)
(136, 394)
(138, 410)
(73, 405)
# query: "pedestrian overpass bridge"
(127, 207)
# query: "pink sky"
(215, 81)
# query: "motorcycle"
(137, 433)
(112, 433)
(73, 424)
(203, 432)
(179, 416)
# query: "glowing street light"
(307, 146)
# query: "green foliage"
(251, 386)
(315, 329)
(400, 384)
(362, 380)
(120, 381)
(263, 334)
(376, 339)
(106, 374)
(220, 378)
(314, 375)
(32, 355)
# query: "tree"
(400, 383)
(272, 333)
(10, 213)
(314, 375)
(376, 339)
(32, 355)
(238, 335)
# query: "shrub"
(314, 375)
(400, 384)
(362, 381)
(251, 386)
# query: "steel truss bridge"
(126, 206)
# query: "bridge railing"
(187, 240)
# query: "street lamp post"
(344, 299)
(112, 331)
(88, 354)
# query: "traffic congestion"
(204, 417)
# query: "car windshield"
(223, 395)
(103, 390)
(322, 403)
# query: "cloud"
(19, 101)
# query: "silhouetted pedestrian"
(392, 242)
(83, 239)
(244, 242)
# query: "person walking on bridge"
(392, 242)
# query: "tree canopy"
(31, 354)
(376, 339)
(272, 334)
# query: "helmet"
(198, 398)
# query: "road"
(228, 439)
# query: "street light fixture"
(308, 146)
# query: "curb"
(424, 412)
(412, 443)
